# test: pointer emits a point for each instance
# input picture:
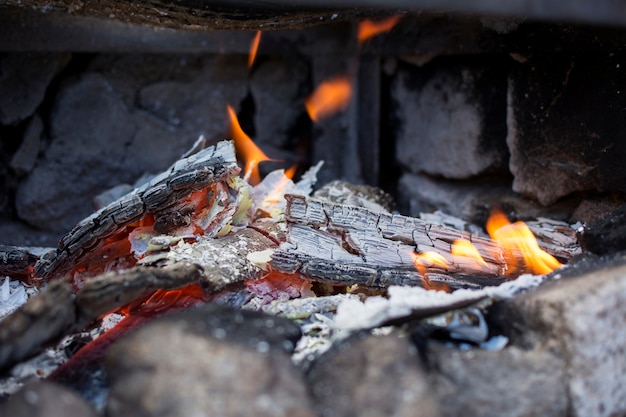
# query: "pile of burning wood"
(200, 233)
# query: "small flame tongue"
(516, 238)
(254, 47)
(330, 97)
(370, 28)
(251, 153)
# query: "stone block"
(46, 399)
(24, 79)
(451, 117)
(371, 376)
(581, 320)
(566, 115)
(471, 201)
(509, 383)
(210, 361)
(125, 116)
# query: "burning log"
(344, 244)
(158, 196)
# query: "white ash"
(317, 338)
(12, 295)
(403, 301)
(302, 308)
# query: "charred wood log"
(19, 262)
(193, 173)
(214, 263)
(346, 244)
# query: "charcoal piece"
(19, 262)
(511, 382)
(451, 117)
(213, 360)
(371, 376)
(24, 79)
(580, 320)
(558, 146)
(606, 235)
(46, 399)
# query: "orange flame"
(465, 249)
(254, 47)
(370, 28)
(251, 153)
(517, 239)
(426, 260)
(291, 171)
(330, 97)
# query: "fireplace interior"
(452, 110)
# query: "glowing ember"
(254, 47)
(369, 28)
(517, 239)
(251, 153)
(330, 97)
(165, 300)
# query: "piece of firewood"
(19, 261)
(346, 244)
(195, 172)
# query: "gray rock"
(25, 157)
(581, 320)
(558, 146)
(451, 118)
(208, 361)
(371, 376)
(24, 78)
(100, 137)
(506, 383)
(279, 88)
(46, 399)
(471, 201)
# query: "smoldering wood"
(19, 261)
(189, 174)
(345, 245)
(216, 264)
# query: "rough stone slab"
(279, 87)
(506, 383)
(371, 376)
(24, 79)
(451, 117)
(581, 320)
(558, 145)
(25, 157)
(46, 399)
(470, 201)
(101, 137)
(208, 361)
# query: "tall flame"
(251, 153)
(330, 97)
(517, 238)
(254, 47)
(370, 28)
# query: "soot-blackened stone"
(606, 235)
(566, 118)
